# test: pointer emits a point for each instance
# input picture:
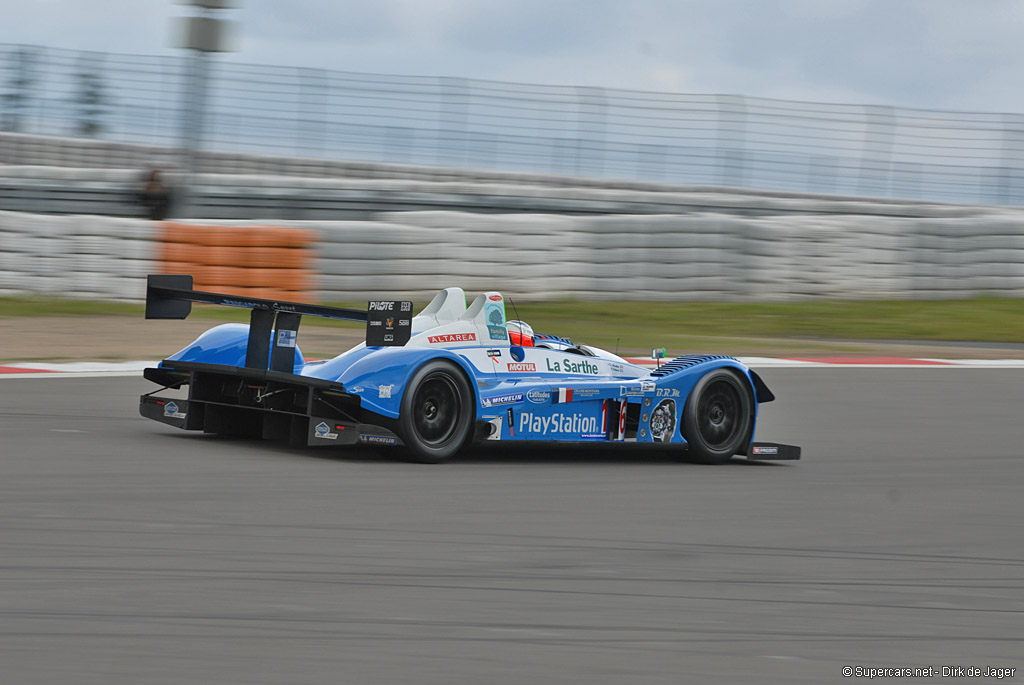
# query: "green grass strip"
(648, 324)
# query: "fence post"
(309, 129)
(879, 125)
(452, 120)
(1012, 148)
(731, 143)
(592, 107)
(19, 86)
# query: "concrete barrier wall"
(697, 256)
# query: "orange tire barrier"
(270, 262)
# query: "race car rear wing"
(171, 297)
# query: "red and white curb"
(134, 368)
(77, 369)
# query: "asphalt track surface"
(134, 553)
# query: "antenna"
(514, 308)
(616, 347)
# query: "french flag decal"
(563, 395)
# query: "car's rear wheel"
(436, 417)
(717, 417)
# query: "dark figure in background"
(155, 197)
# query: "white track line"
(134, 368)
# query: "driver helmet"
(520, 333)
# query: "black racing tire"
(436, 416)
(717, 417)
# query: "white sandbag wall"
(91, 257)
(708, 256)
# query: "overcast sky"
(948, 54)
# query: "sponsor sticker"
(501, 399)
(384, 391)
(494, 298)
(623, 411)
(494, 313)
(560, 424)
(663, 421)
(493, 353)
(452, 337)
(171, 411)
(322, 430)
(286, 338)
(630, 391)
(616, 368)
(378, 439)
(585, 393)
(382, 306)
(522, 366)
(570, 366)
(406, 306)
(647, 386)
(497, 332)
(766, 450)
(389, 337)
(538, 396)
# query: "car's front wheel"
(436, 416)
(717, 417)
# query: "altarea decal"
(538, 396)
(558, 423)
(452, 337)
(568, 366)
(501, 399)
(522, 366)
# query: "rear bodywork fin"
(171, 297)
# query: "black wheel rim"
(718, 414)
(436, 408)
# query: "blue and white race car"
(438, 381)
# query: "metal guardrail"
(732, 140)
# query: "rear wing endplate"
(171, 297)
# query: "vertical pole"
(732, 116)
